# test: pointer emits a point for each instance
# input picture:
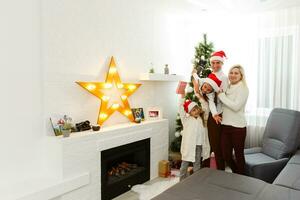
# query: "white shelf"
(161, 77)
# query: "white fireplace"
(80, 154)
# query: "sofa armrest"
(253, 150)
(269, 171)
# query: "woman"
(233, 132)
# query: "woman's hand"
(220, 91)
(218, 119)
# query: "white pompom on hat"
(218, 55)
(189, 105)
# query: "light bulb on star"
(115, 106)
(107, 85)
(91, 87)
(131, 87)
(123, 97)
(120, 85)
(105, 98)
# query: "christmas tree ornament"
(177, 134)
(189, 89)
(99, 90)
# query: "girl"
(194, 135)
(234, 123)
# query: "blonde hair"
(242, 71)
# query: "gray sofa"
(280, 141)
(210, 184)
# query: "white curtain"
(276, 69)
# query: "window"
(277, 77)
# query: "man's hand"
(218, 119)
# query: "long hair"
(242, 71)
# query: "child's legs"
(183, 169)
(197, 163)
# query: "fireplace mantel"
(81, 152)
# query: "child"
(194, 135)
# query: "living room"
(107, 71)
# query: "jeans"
(196, 165)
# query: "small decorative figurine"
(166, 69)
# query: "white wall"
(21, 89)
(78, 38)
(48, 45)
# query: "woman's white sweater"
(234, 101)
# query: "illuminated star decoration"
(112, 80)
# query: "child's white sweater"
(194, 133)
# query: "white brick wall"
(81, 152)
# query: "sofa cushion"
(296, 158)
(209, 184)
(255, 159)
(282, 133)
(289, 176)
(274, 192)
(258, 158)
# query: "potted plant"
(151, 71)
(65, 125)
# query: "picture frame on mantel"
(154, 113)
(138, 113)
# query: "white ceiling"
(241, 6)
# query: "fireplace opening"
(124, 166)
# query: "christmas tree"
(201, 64)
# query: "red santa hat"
(218, 55)
(189, 105)
(213, 80)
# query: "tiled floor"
(130, 195)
